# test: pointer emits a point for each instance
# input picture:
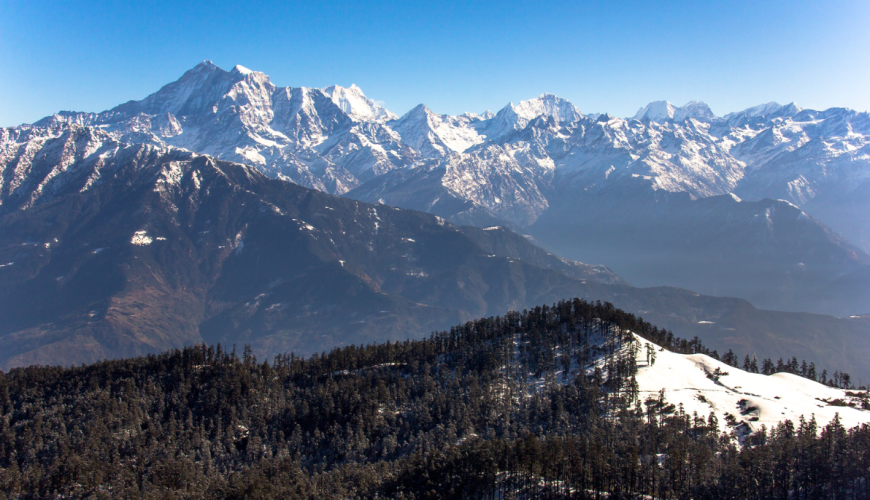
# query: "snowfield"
(740, 398)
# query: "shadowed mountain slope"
(543, 161)
(110, 250)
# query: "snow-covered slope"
(516, 117)
(434, 135)
(661, 111)
(37, 163)
(695, 385)
(760, 110)
(322, 138)
(528, 162)
(359, 107)
(335, 139)
(739, 398)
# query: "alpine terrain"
(234, 290)
(109, 249)
(767, 204)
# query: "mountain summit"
(537, 163)
(661, 111)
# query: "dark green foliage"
(455, 415)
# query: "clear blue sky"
(453, 56)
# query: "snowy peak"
(789, 109)
(356, 105)
(662, 111)
(239, 115)
(66, 117)
(549, 105)
(435, 135)
(195, 92)
(417, 117)
(656, 111)
(516, 117)
(241, 70)
(205, 65)
(768, 110)
(699, 111)
(760, 110)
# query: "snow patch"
(141, 238)
(238, 243)
(242, 70)
(737, 396)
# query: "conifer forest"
(485, 410)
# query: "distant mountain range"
(109, 249)
(627, 193)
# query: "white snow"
(760, 110)
(431, 133)
(238, 243)
(661, 111)
(548, 105)
(767, 399)
(141, 238)
(496, 161)
(656, 111)
(359, 107)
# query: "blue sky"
(453, 56)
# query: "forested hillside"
(543, 403)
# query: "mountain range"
(110, 249)
(789, 230)
(394, 275)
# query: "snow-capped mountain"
(662, 111)
(327, 139)
(335, 139)
(436, 136)
(767, 109)
(110, 249)
(527, 163)
(356, 105)
(517, 117)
